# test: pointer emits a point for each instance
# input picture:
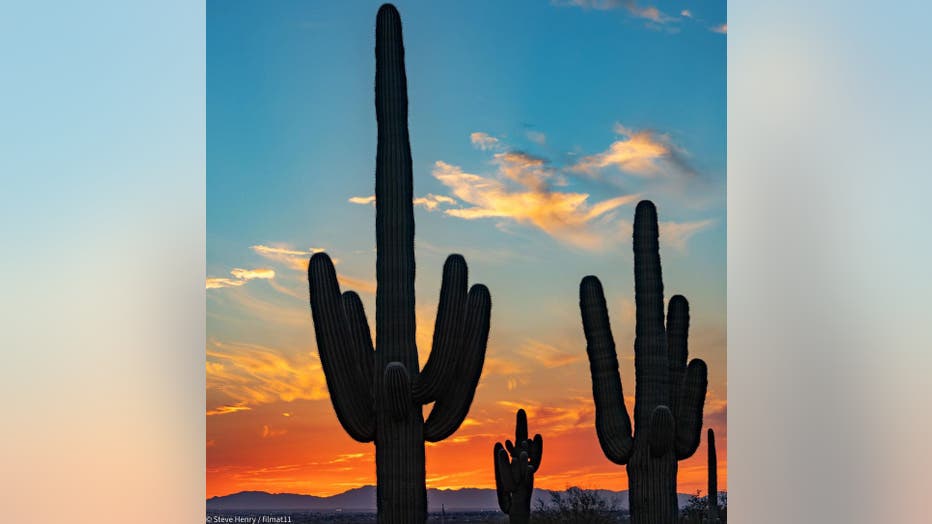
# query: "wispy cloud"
(298, 260)
(269, 432)
(431, 201)
(686, 13)
(567, 216)
(248, 375)
(240, 277)
(293, 258)
(226, 409)
(631, 6)
(484, 141)
(366, 200)
(537, 137)
(360, 285)
(675, 234)
(547, 355)
(721, 29)
(642, 153)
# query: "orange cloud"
(432, 201)
(249, 274)
(563, 215)
(223, 410)
(298, 260)
(721, 29)
(294, 259)
(641, 153)
(240, 277)
(547, 355)
(247, 375)
(360, 285)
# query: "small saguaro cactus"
(712, 516)
(514, 471)
(378, 393)
(669, 395)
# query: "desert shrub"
(696, 508)
(577, 506)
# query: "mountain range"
(363, 499)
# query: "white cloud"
(483, 141)
(363, 200)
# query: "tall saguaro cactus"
(378, 393)
(514, 471)
(669, 395)
(712, 497)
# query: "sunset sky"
(535, 128)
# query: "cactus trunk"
(652, 488)
(399, 463)
(713, 480)
(669, 394)
(399, 442)
(378, 393)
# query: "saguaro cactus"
(669, 395)
(712, 516)
(514, 471)
(378, 393)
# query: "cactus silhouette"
(712, 497)
(669, 395)
(378, 393)
(514, 471)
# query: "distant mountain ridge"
(363, 499)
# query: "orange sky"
(271, 426)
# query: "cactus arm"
(662, 431)
(611, 417)
(524, 468)
(440, 368)
(520, 426)
(450, 409)
(394, 215)
(500, 457)
(537, 451)
(507, 473)
(651, 360)
(689, 409)
(398, 390)
(677, 345)
(360, 337)
(345, 381)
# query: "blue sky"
(535, 128)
